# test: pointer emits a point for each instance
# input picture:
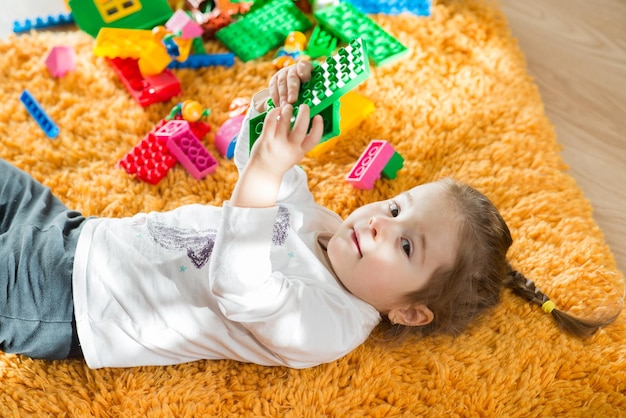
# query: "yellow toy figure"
(292, 51)
(189, 110)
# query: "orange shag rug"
(460, 104)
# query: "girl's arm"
(280, 145)
(279, 148)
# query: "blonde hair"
(458, 294)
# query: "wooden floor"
(576, 51)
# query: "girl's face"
(385, 250)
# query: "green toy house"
(91, 15)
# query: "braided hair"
(526, 288)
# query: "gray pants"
(38, 236)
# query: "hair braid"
(526, 288)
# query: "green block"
(395, 163)
(330, 80)
(346, 23)
(263, 29)
(125, 15)
(321, 43)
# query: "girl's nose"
(377, 226)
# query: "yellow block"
(139, 44)
(122, 43)
(354, 108)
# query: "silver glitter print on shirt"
(281, 226)
(199, 244)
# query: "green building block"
(330, 80)
(263, 29)
(90, 16)
(346, 23)
(395, 163)
(321, 43)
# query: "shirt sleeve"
(294, 187)
(301, 321)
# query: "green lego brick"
(91, 16)
(321, 43)
(331, 117)
(330, 80)
(395, 163)
(263, 29)
(346, 23)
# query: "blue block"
(393, 7)
(205, 60)
(42, 22)
(41, 117)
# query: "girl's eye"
(394, 209)
(406, 246)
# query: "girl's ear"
(412, 316)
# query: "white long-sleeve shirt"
(204, 282)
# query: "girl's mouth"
(355, 239)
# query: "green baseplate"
(330, 80)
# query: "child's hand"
(280, 145)
(285, 84)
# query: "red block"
(149, 89)
(150, 160)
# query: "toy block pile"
(146, 42)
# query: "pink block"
(60, 60)
(370, 164)
(187, 148)
(182, 22)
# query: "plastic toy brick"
(329, 81)
(346, 23)
(263, 29)
(226, 136)
(140, 44)
(331, 116)
(187, 148)
(149, 89)
(156, 58)
(353, 110)
(92, 15)
(199, 128)
(112, 10)
(370, 165)
(60, 60)
(396, 162)
(197, 47)
(122, 43)
(182, 22)
(42, 22)
(393, 7)
(150, 160)
(321, 44)
(41, 117)
(205, 60)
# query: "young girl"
(270, 278)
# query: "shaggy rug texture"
(460, 104)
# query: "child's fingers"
(284, 121)
(270, 121)
(304, 69)
(285, 85)
(295, 76)
(301, 125)
(315, 134)
(278, 86)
